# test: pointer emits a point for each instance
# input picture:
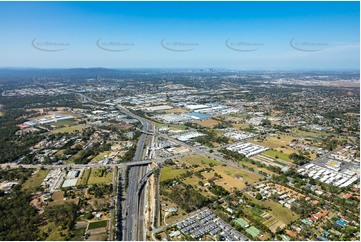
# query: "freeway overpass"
(145, 178)
(145, 132)
(134, 205)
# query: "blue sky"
(237, 35)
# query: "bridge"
(139, 163)
(145, 178)
(145, 132)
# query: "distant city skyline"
(230, 35)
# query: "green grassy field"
(98, 224)
(271, 221)
(316, 136)
(35, 180)
(101, 155)
(193, 180)
(58, 198)
(227, 172)
(280, 212)
(77, 155)
(280, 155)
(277, 210)
(228, 180)
(98, 237)
(71, 159)
(70, 129)
(65, 123)
(253, 231)
(60, 152)
(84, 177)
(274, 142)
(232, 171)
(96, 179)
(248, 164)
(199, 160)
(170, 172)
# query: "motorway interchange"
(133, 220)
(130, 219)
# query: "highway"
(133, 224)
(132, 218)
(134, 227)
(142, 192)
(134, 211)
(134, 204)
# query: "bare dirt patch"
(209, 123)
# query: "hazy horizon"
(175, 68)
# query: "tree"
(19, 220)
(266, 122)
(259, 196)
(63, 215)
(299, 159)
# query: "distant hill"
(24, 74)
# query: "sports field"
(241, 222)
(254, 232)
